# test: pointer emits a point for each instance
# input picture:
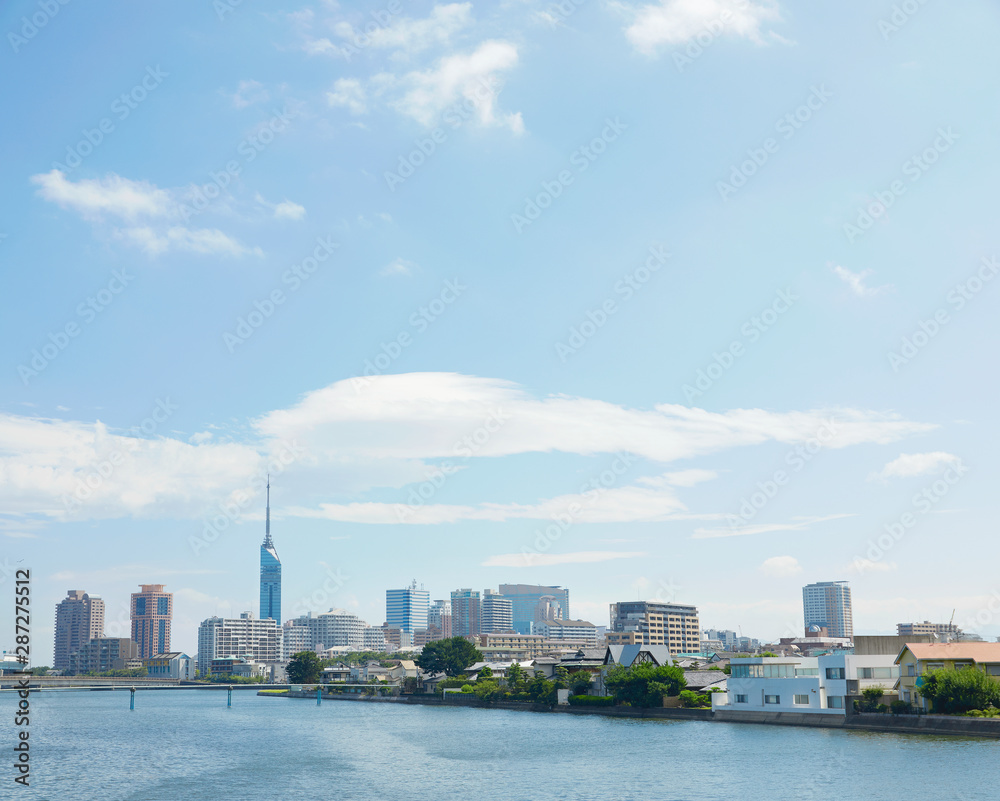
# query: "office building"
(438, 622)
(270, 570)
(79, 618)
(407, 609)
(525, 600)
(827, 605)
(496, 613)
(655, 623)
(578, 632)
(102, 654)
(151, 611)
(466, 609)
(244, 637)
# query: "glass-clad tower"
(270, 571)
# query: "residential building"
(295, 638)
(580, 632)
(628, 655)
(373, 639)
(173, 665)
(525, 600)
(335, 628)
(729, 639)
(79, 618)
(623, 638)
(495, 647)
(151, 612)
(497, 614)
(406, 609)
(102, 654)
(244, 637)
(270, 570)
(916, 659)
(548, 608)
(944, 631)
(396, 638)
(827, 605)
(818, 684)
(673, 625)
(240, 666)
(466, 609)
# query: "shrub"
(693, 700)
(958, 691)
(900, 707)
(466, 688)
(591, 700)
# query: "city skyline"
(489, 308)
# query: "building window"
(802, 700)
(911, 669)
(162, 606)
(835, 673)
(835, 702)
(993, 670)
(772, 699)
(875, 673)
(741, 699)
(140, 606)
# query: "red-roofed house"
(917, 658)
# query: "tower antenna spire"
(267, 519)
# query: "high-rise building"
(525, 599)
(655, 623)
(243, 637)
(79, 618)
(439, 621)
(465, 613)
(334, 629)
(407, 609)
(497, 613)
(151, 612)
(270, 570)
(827, 604)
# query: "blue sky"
(611, 264)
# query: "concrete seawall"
(901, 724)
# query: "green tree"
(485, 673)
(561, 678)
(488, 690)
(645, 684)
(450, 656)
(515, 677)
(541, 690)
(579, 682)
(768, 653)
(304, 668)
(957, 691)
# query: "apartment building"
(656, 623)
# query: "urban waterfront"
(188, 745)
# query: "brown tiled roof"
(979, 652)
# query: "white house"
(818, 685)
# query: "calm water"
(187, 745)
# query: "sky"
(691, 300)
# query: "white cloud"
(415, 35)
(398, 267)
(470, 79)
(780, 566)
(909, 465)
(288, 210)
(349, 93)
(677, 22)
(248, 93)
(862, 566)
(856, 282)
(528, 559)
(802, 524)
(152, 215)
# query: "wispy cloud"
(856, 282)
(800, 524)
(677, 22)
(398, 267)
(780, 566)
(248, 93)
(909, 465)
